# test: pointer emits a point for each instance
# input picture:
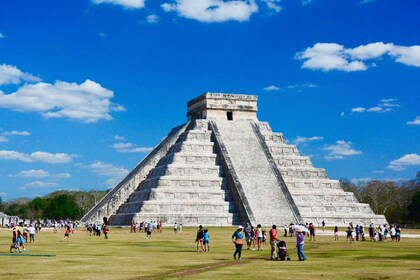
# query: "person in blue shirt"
(238, 240)
(206, 241)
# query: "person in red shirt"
(273, 242)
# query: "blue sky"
(88, 87)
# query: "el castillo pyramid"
(225, 167)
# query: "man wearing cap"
(273, 242)
(238, 240)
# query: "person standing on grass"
(238, 240)
(336, 233)
(149, 230)
(175, 227)
(273, 242)
(247, 232)
(300, 242)
(323, 225)
(206, 241)
(105, 227)
(311, 231)
(199, 238)
(31, 233)
(398, 234)
(259, 237)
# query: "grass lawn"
(166, 255)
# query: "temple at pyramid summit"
(225, 167)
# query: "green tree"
(414, 208)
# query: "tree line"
(56, 205)
(399, 202)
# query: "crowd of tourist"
(375, 233)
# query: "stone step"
(283, 150)
(182, 181)
(313, 198)
(179, 206)
(165, 193)
(190, 158)
(196, 135)
(304, 173)
(193, 146)
(189, 219)
(303, 183)
(186, 170)
(292, 161)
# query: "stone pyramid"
(224, 167)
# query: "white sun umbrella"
(300, 228)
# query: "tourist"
(206, 241)
(348, 234)
(398, 234)
(259, 237)
(392, 232)
(175, 227)
(180, 228)
(67, 233)
(199, 238)
(31, 233)
(323, 225)
(384, 232)
(160, 226)
(238, 240)
(362, 232)
(15, 245)
(25, 233)
(247, 232)
(380, 232)
(371, 231)
(336, 233)
(300, 242)
(149, 229)
(285, 230)
(311, 232)
(132, 227)
(105, 230)
(357, 232)
(273, 242)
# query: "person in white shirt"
(31, 233)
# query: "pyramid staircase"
(186, 186)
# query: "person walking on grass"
(238, 240)
(206, 241)
(199, 238)
(67, 234)
(300, 241)
(31, 233)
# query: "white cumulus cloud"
(12, 75)
(114, 173)
(39, 173)
(152, 18)
(87, 102)
(39, 185)
(271, 88)
(212, 10)
(404, 161)
(332, 56)
(130, 148)
(36, 157)
(416, 121)
(302, 140)
(384, 106)
(340, 150)
(128, 4)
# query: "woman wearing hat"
(238, 240)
